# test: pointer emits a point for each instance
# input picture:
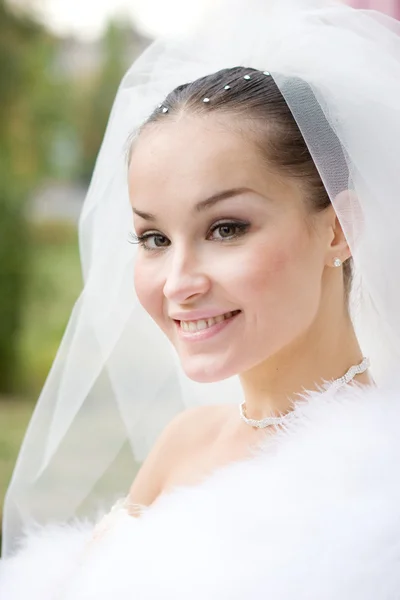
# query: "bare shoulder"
(188, 431)
(195, 424)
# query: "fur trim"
(46, 558)
(314, 515)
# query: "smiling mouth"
(201, 324)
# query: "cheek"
(148, 289)
(283, 275)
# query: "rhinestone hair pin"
(206, 100)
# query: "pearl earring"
(337, 262)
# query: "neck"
(321, 354)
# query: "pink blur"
(390, 7)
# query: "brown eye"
(160, 241)
(153, 241)
(228, 231)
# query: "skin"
(293, 330)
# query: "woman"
(265, 204)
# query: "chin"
(207, 370)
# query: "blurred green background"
(55, 98)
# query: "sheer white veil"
(116, 381)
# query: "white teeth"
(193, 326)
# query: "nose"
(186, 278)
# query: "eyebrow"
(203, 204)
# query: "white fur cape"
(315, 515)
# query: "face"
(228, 265)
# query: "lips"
(201, 324)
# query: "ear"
(338, 246)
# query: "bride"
(257, 157)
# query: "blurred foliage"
(30, 106)
(53, 286)
(96, 100)
(52, 122)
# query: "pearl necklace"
(336, 384)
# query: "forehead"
(192, 156)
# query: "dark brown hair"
(253, 96)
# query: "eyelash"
(240, 227)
